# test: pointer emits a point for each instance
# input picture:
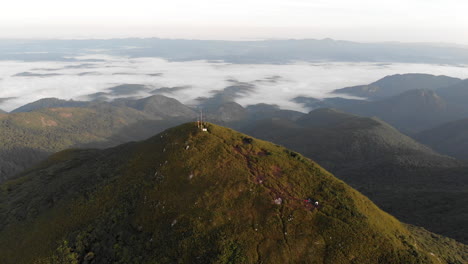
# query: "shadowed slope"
(457, 93)
(449, 138)
(341, 141)
(411, 111)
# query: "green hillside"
(187, 196)
(49, 103)
(29, 137)
(402, 176)
(158, 105)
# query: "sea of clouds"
(25, 82)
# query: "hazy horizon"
(417, 21)
(434, 43)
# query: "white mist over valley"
(89, 77)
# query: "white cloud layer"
(297, 79)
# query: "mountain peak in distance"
(395, 84)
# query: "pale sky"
(363, 20)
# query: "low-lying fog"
(92, 76)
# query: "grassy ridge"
(402, 176)
(186, 196)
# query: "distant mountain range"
(400, 83)
(410, 102)
(189, 196)
(412, 111)
(265, 51)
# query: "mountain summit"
(190, 196)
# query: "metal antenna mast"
(200, 122)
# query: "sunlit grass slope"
(188, 196)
